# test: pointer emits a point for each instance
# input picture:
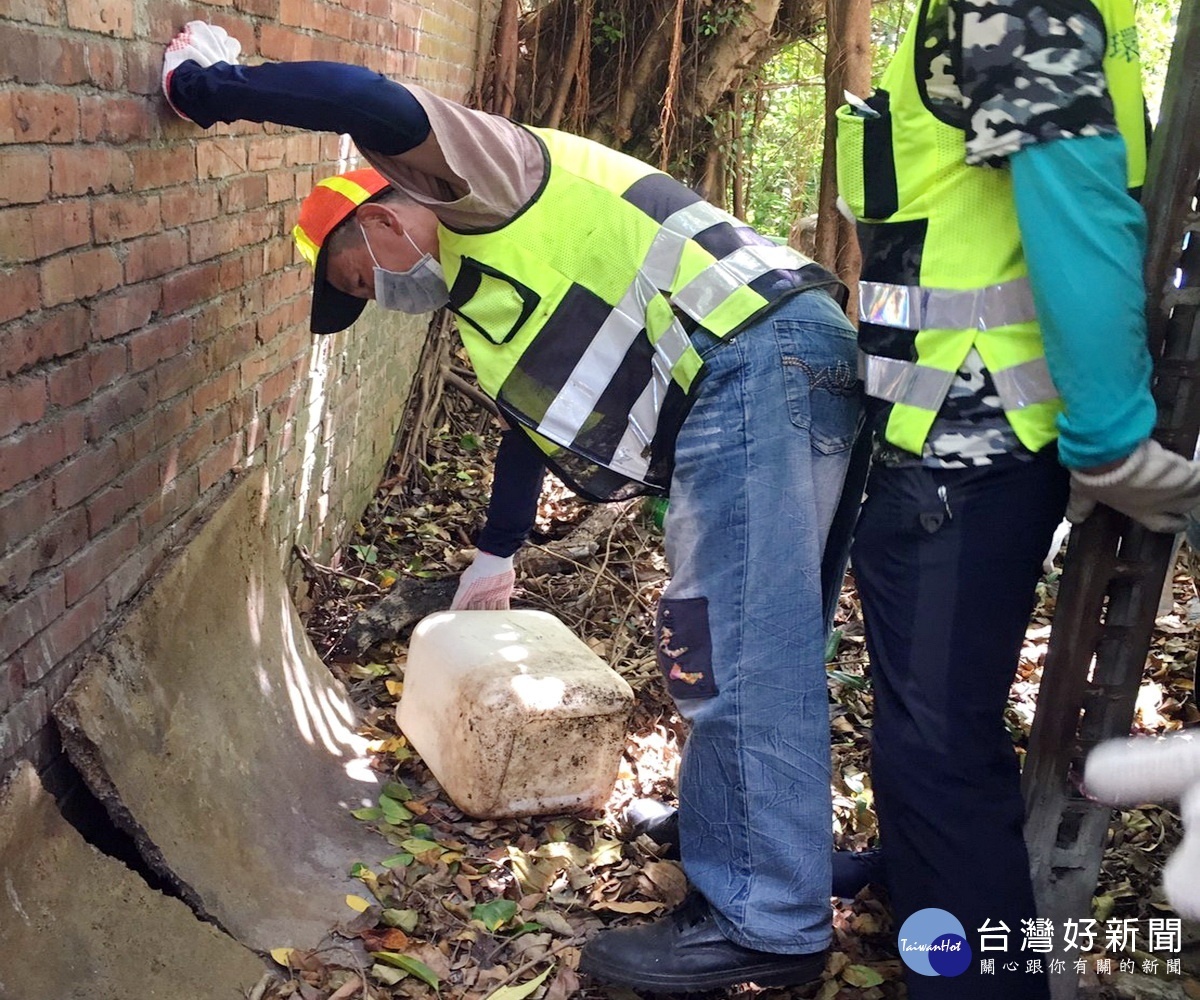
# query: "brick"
(84, 475)
(215, 393)
(124, 217)
(22, 402)
(268, 9)
(12, 684)
(28, 616)
(79, 275)
(284, 45)
(77, 625)
(264, 153)
(70, 382)
(128, 492)
(34, 11)
(23, 512)
(90, 170)
(135, 443)
(61, 225)
(218, 157)
(51, 335)
(117, 120)
(109, 17)
(164, 340)
(86, 572)
(20, 294)
(106, 64)
(178, 374)
(16, 236)
(154, 256)
(24, 176)
(35, 56)
(124, 310)
(244, 193)
(23, 456)
(189, 288)
(115, 406)
(106, 364)
(192, 204)
(29, 115)
(156, 167)
(22, 724)
(216, 466)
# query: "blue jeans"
(759, 467)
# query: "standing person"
(645, 341)
(1006, 367)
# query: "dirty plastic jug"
(513, 714)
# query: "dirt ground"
(476, 910)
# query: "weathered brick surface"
(154, 315)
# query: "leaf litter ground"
(498, 910)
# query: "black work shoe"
(685, 952)
(852, 870)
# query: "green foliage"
(783, 111)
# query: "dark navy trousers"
(946, 563)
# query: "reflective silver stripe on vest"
(904, 381)
(721, 279)
(566, 414)
(925, 388)
(912, 307)
(1025, 384)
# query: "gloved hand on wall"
(1128, 772)
(206, 44)
(1155, 487)
(486, 585)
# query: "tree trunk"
(847, 67)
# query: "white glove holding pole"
(486, 585)
(200, 41)
(1154, 486)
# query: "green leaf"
(401, 860)
(368, 813)
(393, 811)
(358, 870)
(406, 920)
(522, 991)
(385, 975)
(469, 442)
(397, 790)
(494, 914)
(409, 964)
(862, 976)
(421, 830)
(415, 845)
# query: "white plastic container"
(514, 715)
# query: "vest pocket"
(494, 303)
(866, 162)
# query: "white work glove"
(1135, 771)
(206, 44)
(1155, 487)
(486, 585)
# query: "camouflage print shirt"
(1010, 73)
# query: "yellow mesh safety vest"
(943, 268)
(578, 312)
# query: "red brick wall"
(153, 313)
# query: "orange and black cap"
(327, 206)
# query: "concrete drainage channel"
(214, 736)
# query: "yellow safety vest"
(943, 267)
(578, 312)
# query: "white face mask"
(420, 289)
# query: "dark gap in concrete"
(87, 815)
